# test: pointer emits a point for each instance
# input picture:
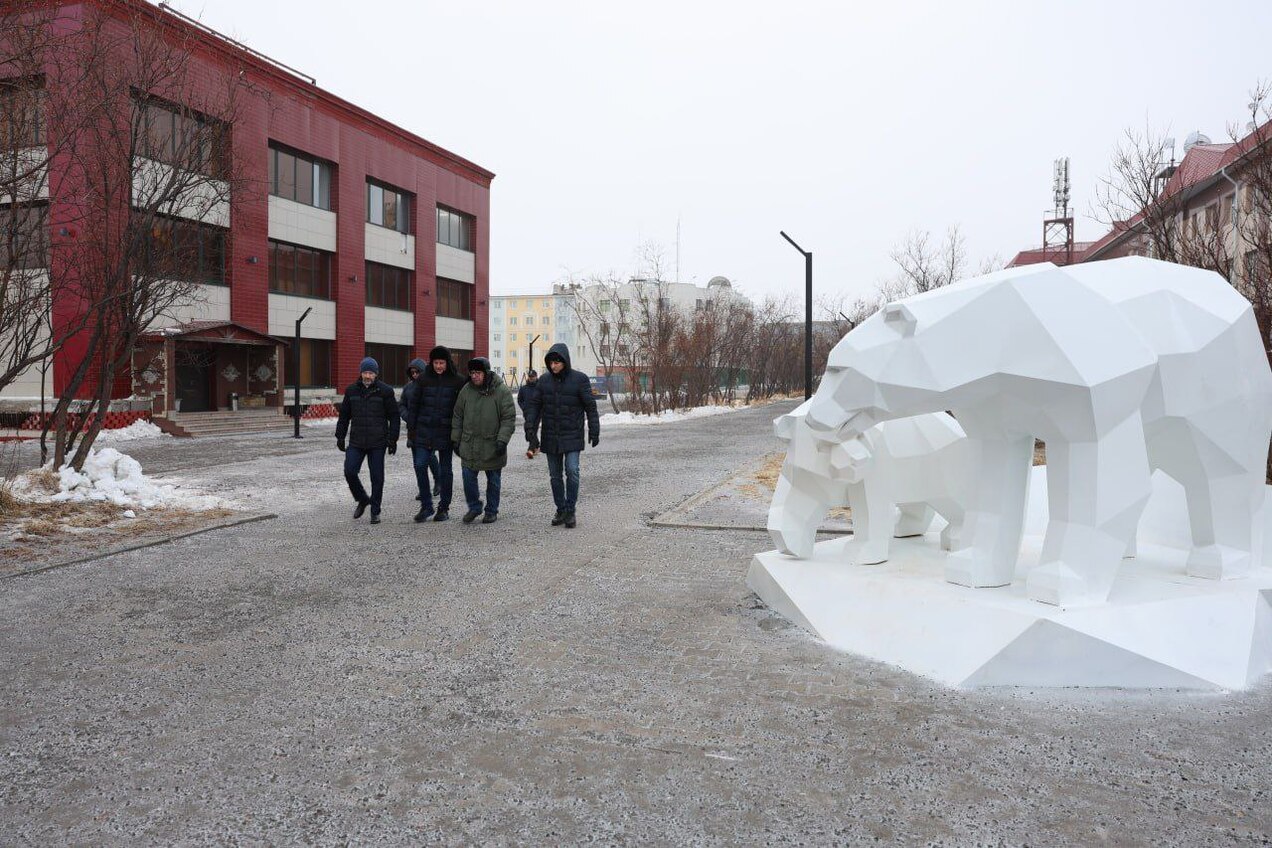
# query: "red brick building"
(381, 234)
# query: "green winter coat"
(483, 418)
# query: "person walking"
(405, 407)
(481, 428)
(527, 389)
(369, 418)
(554, 424)
(436, 391)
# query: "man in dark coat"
(528, 388)
(429, 428)
(485, 419)
(369, 417)
(554, 424)
(405, 410)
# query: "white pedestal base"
(1159, 629)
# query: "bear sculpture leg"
(1222, 513)
(995, 517)
(914, 520)
(1097, 491)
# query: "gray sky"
(848, 127)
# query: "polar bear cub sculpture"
(895, 477)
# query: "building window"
(498, 337)
(454, 299)
(21, 114)
(547, 304)
(512, 304)
(498, 304)
(547, 320)
(298, 177)
(388, 286)
(24, 237)
(315, 364)
(181, 137)
(529, 320)
(512, 320)
(393, 360)
(176, 249)
(455, 229)
(299, 270)
(388, 207)
(604, 306)
(498, 353)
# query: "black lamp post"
(296, 374)
(537, 336)
(808, 315)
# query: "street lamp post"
(808, 315)
(296, 374)
(537, 336)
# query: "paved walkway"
(315, 680)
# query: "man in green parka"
(481, 428)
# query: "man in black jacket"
(369, 417)
(528, 388)
(429, 428)
(406, 411)
(554, 423)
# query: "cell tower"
(1057, 225)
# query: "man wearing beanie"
(428, 425)
(554, 422)
(484, 421)
(369, 417)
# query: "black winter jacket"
(433, 406)
(369, 416)
(555, 413)
(406, 406)
(524, 393)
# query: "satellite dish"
(1195, 138)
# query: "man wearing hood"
(369, 418)
(406, 407)
(435, 393)
(554, 423)
(484, 421)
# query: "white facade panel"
(389, 247)
(210, 303)
(456, 264)
(300, 223)
(455, 332)
(390, 326)
(205, 200)
(284, 309)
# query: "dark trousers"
(472, 490)
(353, 465)
(438, 461)
(565, 492)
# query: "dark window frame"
(210, 250)
(284, 274)
(377, 197)
(26, 227)
(204, 143)
(456, 229)
(393, 360)
(389, 287)
(311, 362)
(285, 181)
(454, 297)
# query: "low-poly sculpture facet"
(1121, 367)
(895, 477)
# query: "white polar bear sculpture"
(917, 465)
(1121, 367)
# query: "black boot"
(470, 516)
(442, 514)
(558, 519)
(360, 509)
(569, 519)
(423, 514)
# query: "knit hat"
(369, 364)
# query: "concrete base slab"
(1159, 629)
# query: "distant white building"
(556, 317)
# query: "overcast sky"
(606, 122)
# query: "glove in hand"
(595, 440)
(392, 448)
(340, 445)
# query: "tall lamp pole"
(296, 374)
(808, 315)
(537, 336)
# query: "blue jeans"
(564, 492)
(353, 465)
(472, 491)
(437, 461)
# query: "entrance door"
(194, 378)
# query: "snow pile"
(134, 431)
(109, 475)
(319, 422)
(666, 417)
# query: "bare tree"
(598, 307)
(150, 168)
(1138, 193)
(923, 265)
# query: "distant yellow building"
(515, 319)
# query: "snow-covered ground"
(319, 422)
(666, 417)
(116, 478)
(134, 431)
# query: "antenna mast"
(1057, 225)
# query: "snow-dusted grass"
(134, 431)
(108, 477)
(666, 417)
